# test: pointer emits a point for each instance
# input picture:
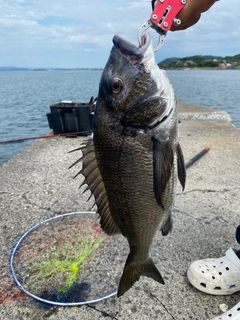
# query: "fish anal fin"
(181, 166)
(167, 227)
(95, 184)
(132, 273)
(107, 223)
(162, 166)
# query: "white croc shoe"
(233, 314)
(216, 276)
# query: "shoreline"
(101, 69)
(186, 111)
(204, 69)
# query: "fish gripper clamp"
(162, 18)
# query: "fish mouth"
(129, 50)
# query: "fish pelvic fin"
(94, 182)
(132, 273)
(162, 166)
(181, 167)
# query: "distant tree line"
(199, 61)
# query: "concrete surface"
(205, 217)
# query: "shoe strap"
(231, 255)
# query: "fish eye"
(116, 85)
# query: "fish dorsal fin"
(95, 184)
(181, 166)
(162, 167)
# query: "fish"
(134, 159)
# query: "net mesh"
(64, 258)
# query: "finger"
(190, 22)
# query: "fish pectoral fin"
(167, 227)
(162, 167)
(94, 182)
(132, 273)
(181, 167)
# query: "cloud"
(76, 33)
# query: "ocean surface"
(25, 97)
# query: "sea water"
(25, 97)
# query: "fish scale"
(132, 163)
(139, 212)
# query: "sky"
(78, 34)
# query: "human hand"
(191, 13)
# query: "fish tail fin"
(132, 273)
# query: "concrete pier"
(205, 218)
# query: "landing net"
(68, 260)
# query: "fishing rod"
(197, 157)
(74, 134)
(67, 135)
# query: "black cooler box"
(71, 117)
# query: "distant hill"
(197, 61)
(200, 61)
(9, 68)
(169, 60)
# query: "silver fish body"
(131, 167)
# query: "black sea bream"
(132, 164)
